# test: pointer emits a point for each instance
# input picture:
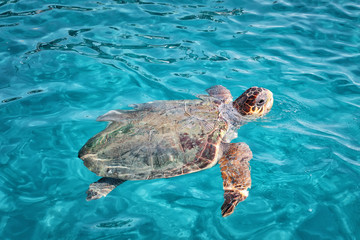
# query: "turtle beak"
(270, 101)
(268, 104)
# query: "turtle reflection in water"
(164, 139)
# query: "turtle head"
(254, 102)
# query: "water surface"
(63, 64)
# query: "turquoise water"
(63, 64)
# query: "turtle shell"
(157, 140)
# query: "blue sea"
(63, 63)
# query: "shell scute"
(209, 152)
(189, 142)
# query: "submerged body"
(165, 139)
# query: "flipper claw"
(232, 198)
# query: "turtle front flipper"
(102, 187)
(221, 93)
(235, 172)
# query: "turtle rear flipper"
(102, 187)
(118, 116)
(235, 172)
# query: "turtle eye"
(261, 102)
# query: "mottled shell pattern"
(157, 140)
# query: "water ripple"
(49, 8)
(65, 64)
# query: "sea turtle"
(164, 139)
